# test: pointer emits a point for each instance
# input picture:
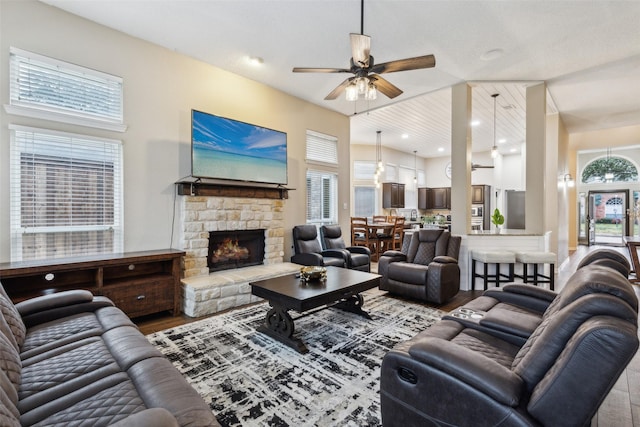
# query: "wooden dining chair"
(398, 233)
(359, 232)
(379, 218)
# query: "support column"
(535, 161)
(460, 159)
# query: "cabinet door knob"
(140, 297)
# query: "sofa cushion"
(101, 403)
(10, 361)
(5, 330)
(9, 415)
(11, 315)
(408, 273)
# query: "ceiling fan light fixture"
(351, 92)
(363, 84)
(372, 92)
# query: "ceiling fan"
(475, 166)
(366, 78)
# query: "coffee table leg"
(279, 325)
(353, 304)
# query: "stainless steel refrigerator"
(515, 210)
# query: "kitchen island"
(505, 240)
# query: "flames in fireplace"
(236, 248)
(229, 249)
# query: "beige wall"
(160, 89)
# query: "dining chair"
(379, 218)
(398, 233)
(359, 232)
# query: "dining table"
(380, 232)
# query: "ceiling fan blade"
(417, 63)
(385, 87)
(320, 70)
(337, 91)
(360, 49)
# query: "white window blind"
(421, 178)
(322, 197)
(363, 169)
(391, 173)
(322, 148)
(45, 84)
(365, 201)
(66, 194)
(406, 176)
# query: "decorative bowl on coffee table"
(313, 273)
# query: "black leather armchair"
(456, 373)
(308, 250)
(359, 256)
(429, 270)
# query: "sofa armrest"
(396, 255)
(336, 253)
(307, 259)
(526, 296)
(445, 260)
(157, 417)
(480, 372)
(31, 316)
(58, 299)
(359, 250)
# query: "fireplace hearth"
(235, 248)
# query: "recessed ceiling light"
(492, 54)
(405, 135)
(441, 149)
(255, 61)
(502, 140)
(513, 150)
(475, 122)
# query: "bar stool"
(492, 257)
(536, 258)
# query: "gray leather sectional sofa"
(518, 356)
(70, 358)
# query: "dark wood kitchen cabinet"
(424, 196)
(392, 195)
(480, 194)
(441, 198)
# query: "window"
(364, 170)
(391, 174)
(47, 88)
(410, 190)
(322, 180)
(609, 169)
(364, 201)
(66, 194)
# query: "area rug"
(249, 379)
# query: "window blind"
(406, 176)
(43, 83)
(66, 194)
(364, 201)
(322, 148)
(391, 173)
(363, 169)
(322, 198)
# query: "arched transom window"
(609, 169)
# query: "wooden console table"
(139, 283)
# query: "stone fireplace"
(201, 217)
(235, 249)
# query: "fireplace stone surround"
(206, 293)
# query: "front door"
(607, 215)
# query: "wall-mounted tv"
(223, 148)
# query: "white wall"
(160, 89)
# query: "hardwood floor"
(621, 408)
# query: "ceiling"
(588, 53)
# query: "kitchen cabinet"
(480, 194)
(441, 198)
(392, 195)
(424, 196)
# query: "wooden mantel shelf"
(199, 188)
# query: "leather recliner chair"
(429, 270)
(359, 256)
(308, 250)
(455, 373)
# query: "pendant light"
(494, 149)
(379, 165)
(415, 167)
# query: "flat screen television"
(223, 148)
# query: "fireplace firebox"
(235, 248)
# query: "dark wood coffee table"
(341, 289)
